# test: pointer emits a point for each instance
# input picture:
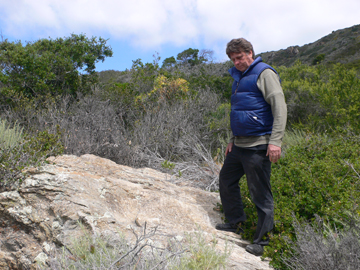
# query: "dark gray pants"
(254, 163)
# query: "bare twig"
(352, 167)
(137, 248)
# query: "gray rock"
(106, 198)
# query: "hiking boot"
(229, 228)
(255, 249)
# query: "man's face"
(241, 60)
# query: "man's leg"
(257, 167)
(229, 177)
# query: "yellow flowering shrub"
(165, 89)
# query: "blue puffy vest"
(250, 114)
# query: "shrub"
(116, 252)
(316, 177)
(60, 66)
(165, 90)
(30, 151)
(9, 137)
(143, 75)
(202, 255)
(175, 129)
(219, 123)
(322, 98)
(320, 246)
(318, 59)
(213, 76)
(293, 138)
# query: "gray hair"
(238, 45)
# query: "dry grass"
(321, 247)
(117, 252)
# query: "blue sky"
(139, 28)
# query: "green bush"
(202, 255)
(57, 66)
(316, 177)
(322, 98)
(30, 151)
(219, 123)
(318, 59)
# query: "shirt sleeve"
(269, 85)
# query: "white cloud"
(269, 25)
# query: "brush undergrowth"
(202, 255)
(178, 123)
(321, 245)
(9, 136)
(24, 151)
(317, 177)
(116, 252)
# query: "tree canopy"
(190, 56)
(169, 62)
(52, 66)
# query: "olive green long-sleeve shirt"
(269, 85)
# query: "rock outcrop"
(44, 213)
(292, 50)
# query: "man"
(258, 119)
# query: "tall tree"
(169, 62)
(192, 56)
(189, 56)
(52, 66)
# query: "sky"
(144, 28)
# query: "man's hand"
(228, 148)
(274, 152)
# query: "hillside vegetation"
(341, 46)
(175, 118)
